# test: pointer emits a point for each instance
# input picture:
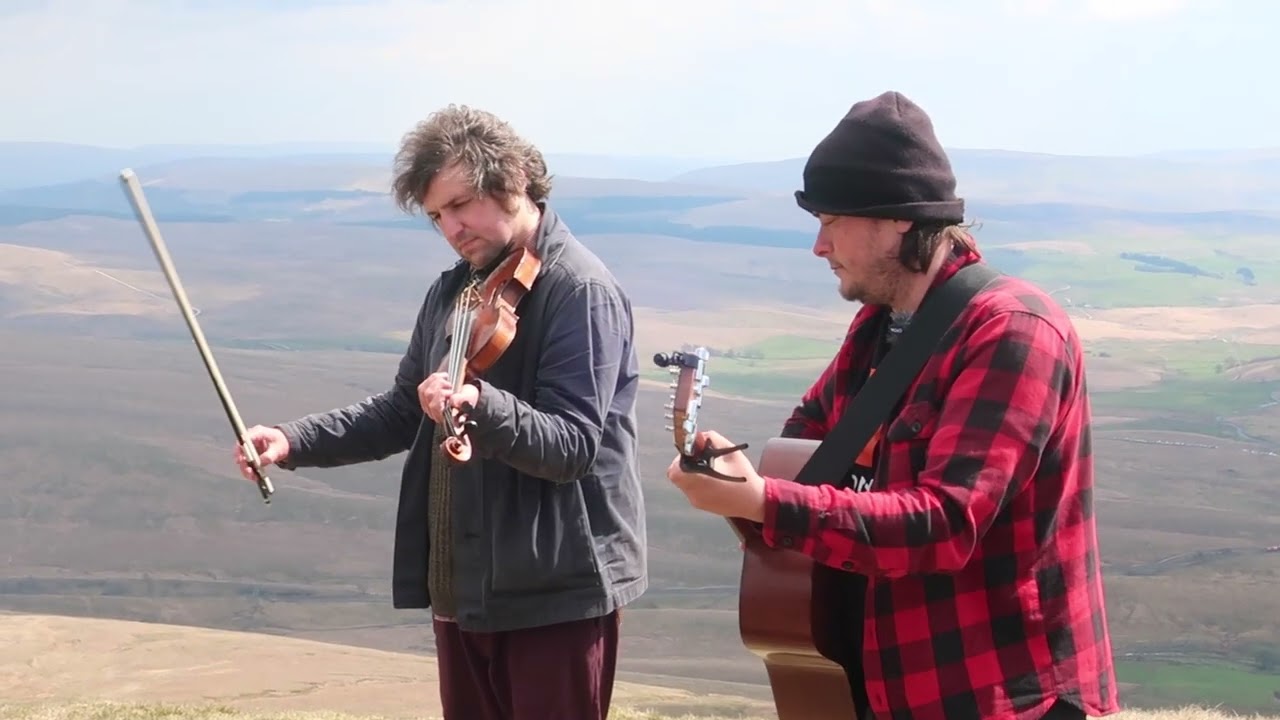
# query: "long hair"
(922, 240)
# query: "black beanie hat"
(883, 161)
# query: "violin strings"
(463, 317)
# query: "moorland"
(121, 500)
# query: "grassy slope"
(150, 476)
(169, 711)
(57, 668)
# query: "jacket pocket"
(542, 542)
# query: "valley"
(121, 499)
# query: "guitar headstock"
(688, 369)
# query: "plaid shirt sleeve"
(987, 441)
(809, 419)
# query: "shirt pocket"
(907, 443)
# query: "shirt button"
(846, 565)
(787, 541)
(916, 426)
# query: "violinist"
(521, 521)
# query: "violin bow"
(143, 211)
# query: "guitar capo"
(701, 463)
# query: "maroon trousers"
(557, 671)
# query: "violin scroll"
(457, 443)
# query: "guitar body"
(783, 620)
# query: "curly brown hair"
(499, 162)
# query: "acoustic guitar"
(780, 617)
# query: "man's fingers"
(714, 439)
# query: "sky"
(717, 79)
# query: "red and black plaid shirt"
(984, 592)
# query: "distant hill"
(26, 164)
(1016, 196)
(1187, 182)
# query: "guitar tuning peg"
(669, 406)
(706, 380)
(672, 386)
(673, 370)
(668, 428)
(668, 416)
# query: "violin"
(484, 324)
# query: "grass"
(1105, 279)
(1166, 684)
(1188, 359)
(166, 711)
(141, 711)
(1212, 397)
(759, 379)
(1197, 373)
(778, 368)
(1197, 378)
(148, 472)
(793, 347)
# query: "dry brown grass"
(58, 668)
(147, 475)
(51, 281)
(1248, 324)
(56, 661)
(138, 711)
(738, 325)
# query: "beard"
(881, 284)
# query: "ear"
(902, 226)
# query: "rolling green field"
(1164, 684)
(1128, 270)
(779, 368)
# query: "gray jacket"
(550, 526)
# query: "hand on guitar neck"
(713, 473)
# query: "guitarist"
(965, 531)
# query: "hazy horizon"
(713, 80)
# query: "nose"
(821, 244)
(450, 227)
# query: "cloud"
(1128, 10)
(754, 77)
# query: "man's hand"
(270, 444)
(437, 389)
(728, 498)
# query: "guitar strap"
(835, 455)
